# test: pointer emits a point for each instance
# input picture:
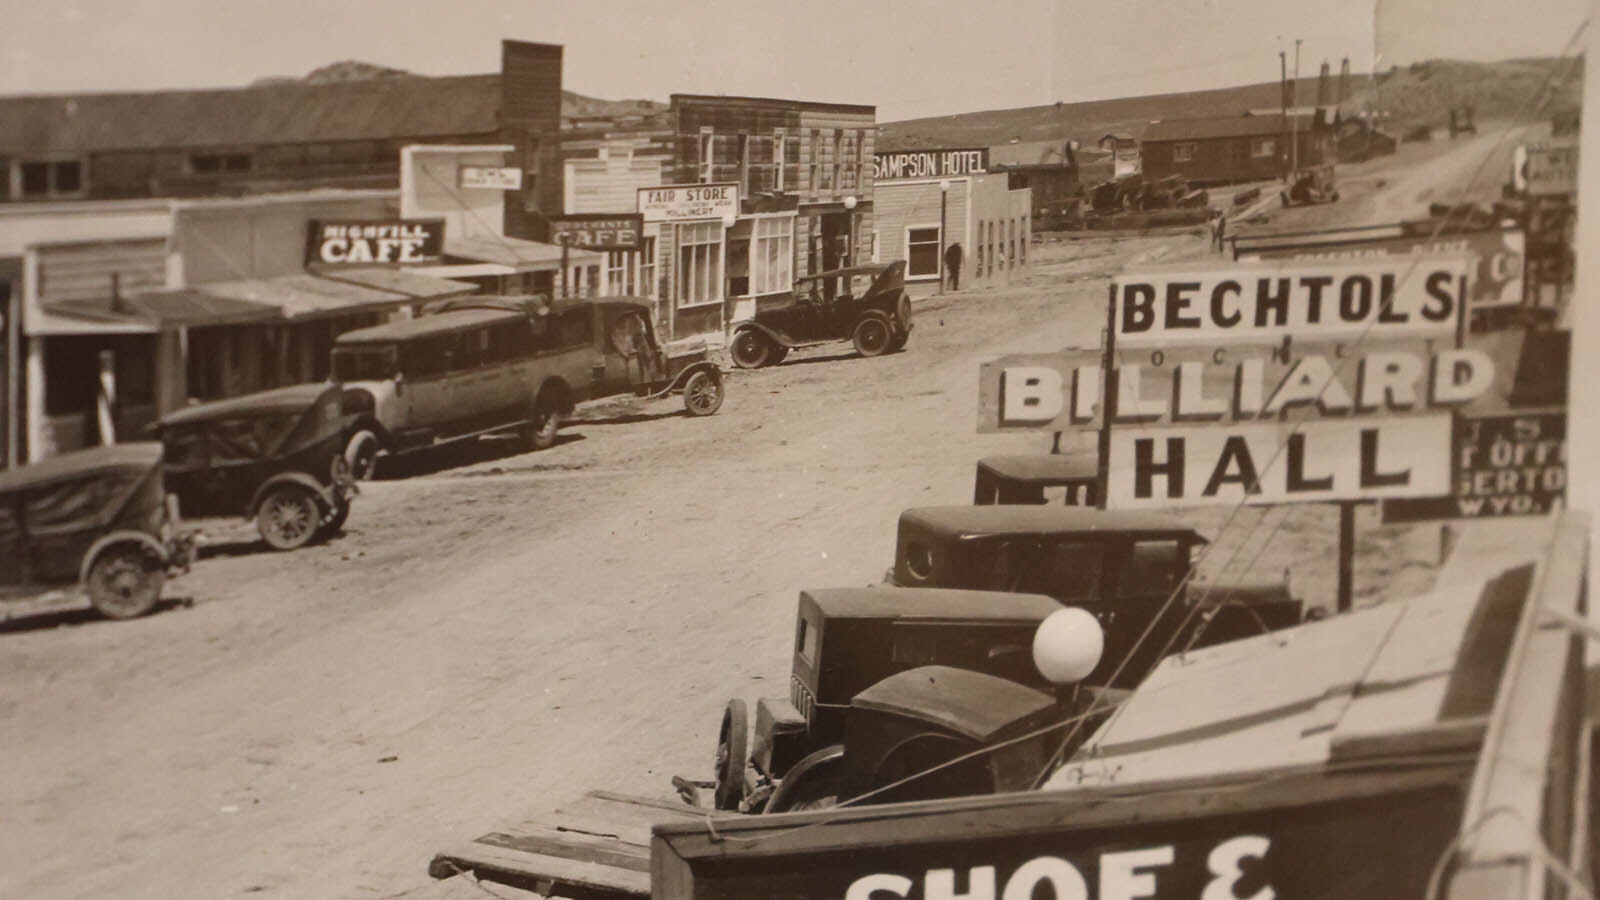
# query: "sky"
(910, 59)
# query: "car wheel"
(872, 336)
(125, 582)
(361, 453)
(289, 517)
(334, 523)
(779, 353)
(732, 753)
(702, 393)
(751, 349)
(540, 433)
(819, 787)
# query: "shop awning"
(52, 320)
(410, 282)
(518, 254)
(302, 295)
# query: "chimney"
(1322, 85)
(1344, 80)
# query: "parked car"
(487, 365)
(866, 305)
(1310, 186)
(1121, 566)
(276, 456)
(98, 518)
(889, 681)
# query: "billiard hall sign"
(1279, 382)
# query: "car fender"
(115, 538)
(878, 314)
(831, 755)
(682, 378)
(777, 336)
(557, 387)
(322, 491)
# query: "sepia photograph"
(825, 450)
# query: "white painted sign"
(492, 178)
(1323, 300)
(686, 202)
(1284, 462)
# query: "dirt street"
(492, 635)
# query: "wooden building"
(1237, 148)
(1048, 169)
(928, 201)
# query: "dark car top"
(911, 604)
(294, 398)
(139, 455)
(975, 521)
(865, 269)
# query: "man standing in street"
(952, 265)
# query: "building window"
(708, 142)
(789, 177)
(743, 151)
(846, 153)
(922, 252)
(699, 263)
(213, 163)
(631, 273)
(1183, 151)
(779, 143)
(836, 163)
(52, 178)
(772, 255)
(818, 171)
(1263, 147)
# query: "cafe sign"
(597, 232)
(688, 202)
(373, 242)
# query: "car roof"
(1035, 466)
(910, 604)
(863, 269)
(294, 398)
(972, 704)
(432, 323)
(77, 463)
(974, 521)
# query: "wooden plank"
(571, 845)
(518, 867)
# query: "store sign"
(493, 178)
(686, 202)
(1302, 300)
(1546, 169)
(1497, 258)
(1506, 464)
(907, 164)
(368, 242)
(597, 232)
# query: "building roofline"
(818, 105)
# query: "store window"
(819, 172)
(789, 170)
(772, 256)
(699, 263)
(1263, 147)
(631, 273)
(922, 252)
(50, 178)
(1183, 151)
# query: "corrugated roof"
(1222, 127)
(382, 108)
(302, 294)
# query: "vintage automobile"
(98, 518)
(1123, 567)
(478, 366)
(1026, 477)
(276, 456)
(889, 681)
(1310, 186)
(864, 304)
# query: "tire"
(779, 353)
(361, 454)
(702, 393)
(334, 523)
(541, 432)
(751, 349)
(872, 336)
(125, 581)
(290, 516)
(732, 753)
(818, 788)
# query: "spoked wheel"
(751, 349)
(125, 582)
(540, 434)
(702, 393)
(362, 455)
(732, 752)
(289, 517)
(872, 336)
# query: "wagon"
(98, 518)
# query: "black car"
(863, 304)
(276, 456)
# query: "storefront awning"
(410, 282)
(51, 320)
(518, 254)
(303, 295)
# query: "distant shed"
(1224, 149)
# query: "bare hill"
(1415, 94)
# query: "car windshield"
(363, 363)
(1067, 571)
